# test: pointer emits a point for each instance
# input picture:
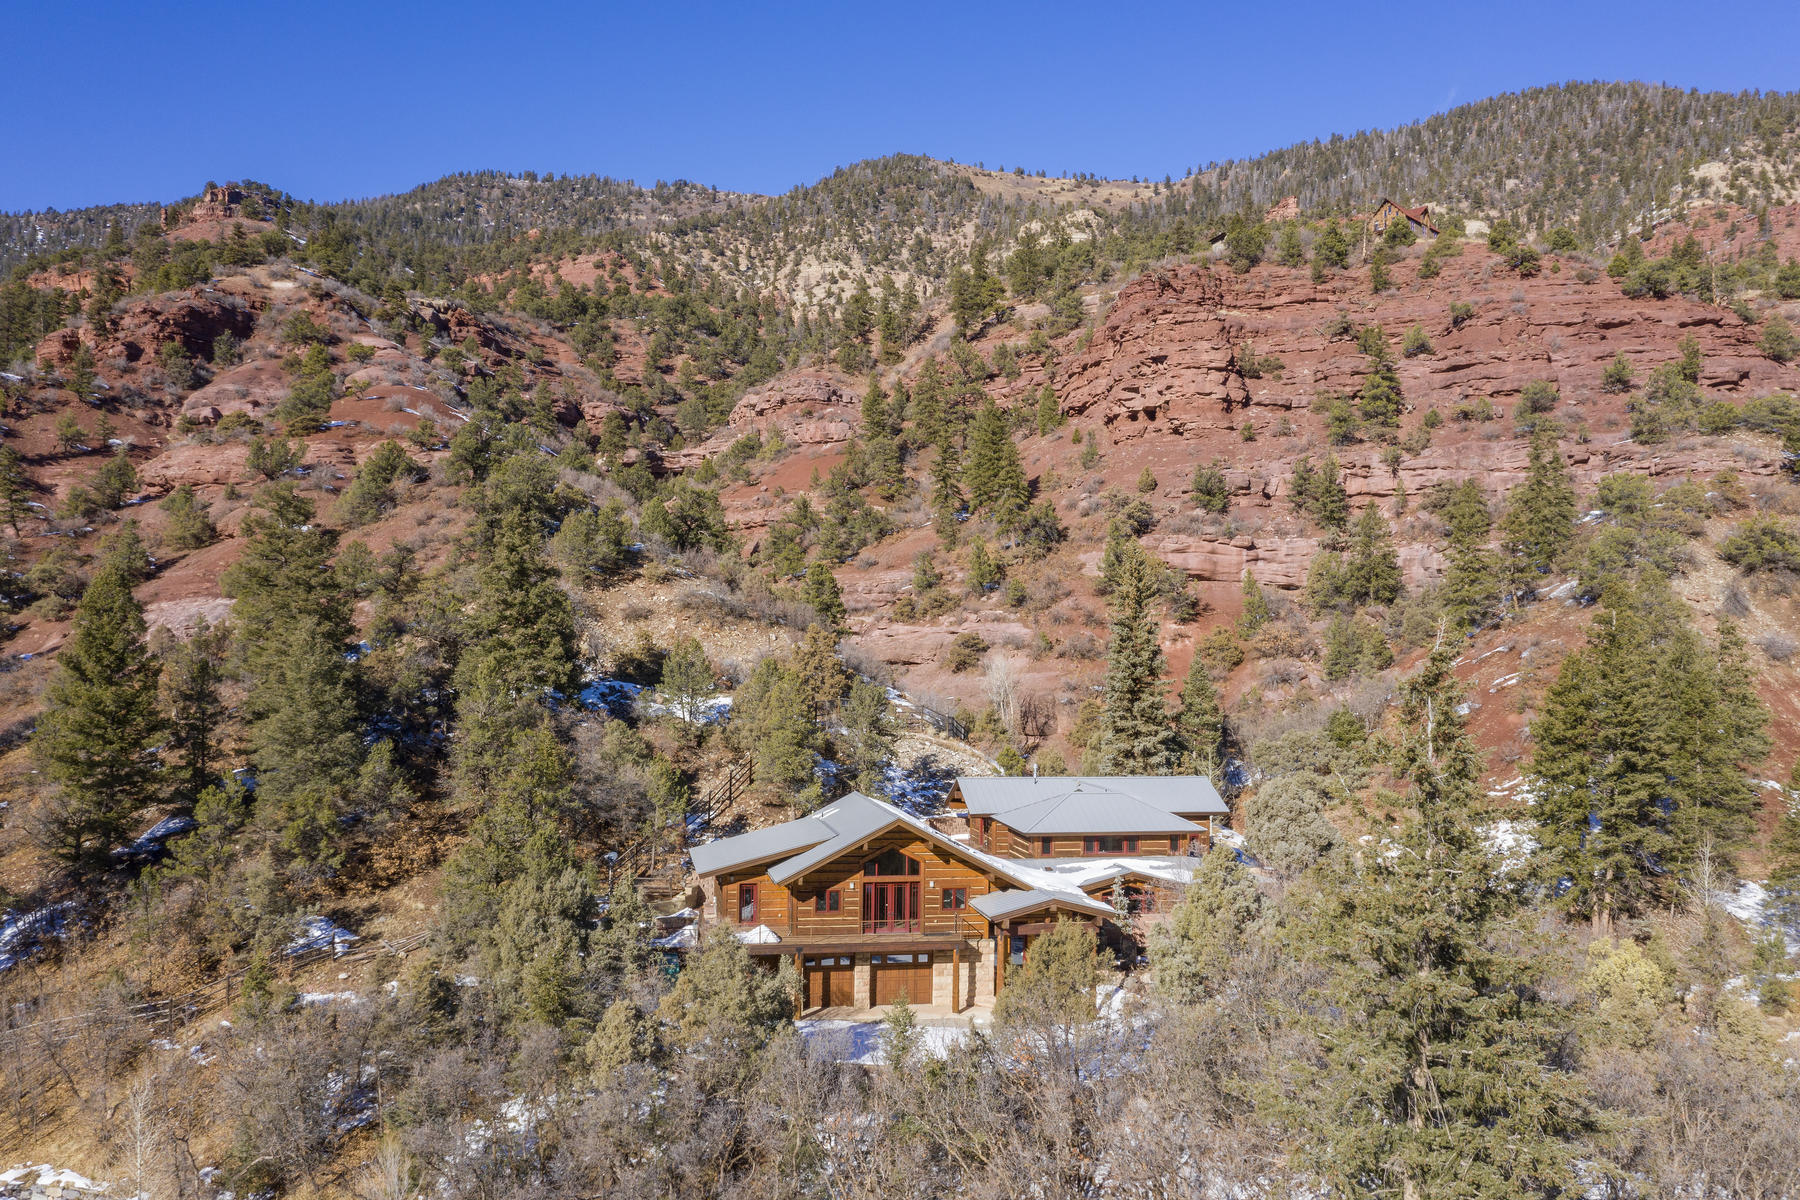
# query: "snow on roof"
(1085, 873)
(1182, 795)
(839, 828)
(762, 935)
(996, 906)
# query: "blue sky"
(135, 101)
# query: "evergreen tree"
(98, 735)
(994, 474)
(1201, 720)
(1600, 765)
(1255, 612)
(823, 595)
(1540, 513)
(1135, 737)
(1716, 732)
(1371, 573)
(283, 576)
(1191, 953)
(15, 490)
(306, 744)
(687, 678)
(1380, 399)
(521, 623)
(1440, 1067)
(191, 673)
(1049, 413)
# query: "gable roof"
(997, 906)
(992, 795)
(853, 820)
(834, 830)
(1086, 808)
(1420, 215)
(777, 841)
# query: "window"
(830, 901)
(1044, 847)
(1109, 844)
(955, 898)
(891, 862)
(746, 903)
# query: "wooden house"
(872, 904)
(1387, 212)
(1072, 816)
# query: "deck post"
(800, 990)
(956, 975)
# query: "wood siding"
(792, 911)
(1009, 843)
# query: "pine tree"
(96, 741)
(1049, 413)
(306, 743)
(521, 621)
(823, 595)
(1135, 737)
(994, 474)
(1601, 772)
(1371, 572)
(191, 674)
(283, 576)
(1716, 732)
(1440, 1069)
(1201, 720)
(1380, 399)
(1191, 953)
(1540, 513)
(15, 490)
(1255, 612)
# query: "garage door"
(896, 975)
(830, 982)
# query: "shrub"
(965, 652)
(1461, 311)
(1778, 340)
(190, 525)
(1539, 396)
(1762, 544)
(1211, 492)
(1618, 375)
(1416, 342)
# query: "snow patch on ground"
(328, 998)
(1511, 841)
(616, 696)
(21, 934)
(860, 1041)
(22, 1180)
(321, 933)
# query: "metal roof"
(758, 845)
(997, 906)
(991, 795)
(1090, 810)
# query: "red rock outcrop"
(1163, 360)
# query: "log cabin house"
(871, 903)
(1387, 212)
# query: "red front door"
(890, 907)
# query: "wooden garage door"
(830, 982)
(896, 975)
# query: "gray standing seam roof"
(997, 906)
(776, 841)
(991, 795)
(1088, 811)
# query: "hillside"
(425, 575)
